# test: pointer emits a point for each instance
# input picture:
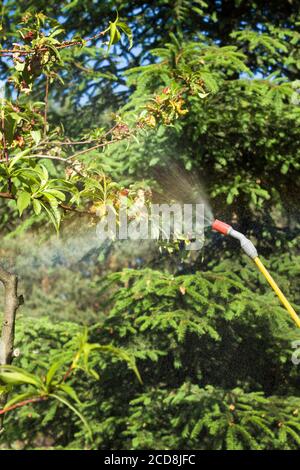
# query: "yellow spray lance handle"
(278, 292)
(251, 251)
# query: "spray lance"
(251, 251)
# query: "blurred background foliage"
(212, 344)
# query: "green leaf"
(56, 193)
(57, 32)
(127, 31)
(69, 405)
(18, 157)
(45, 175)
(20, 66)
(23, 201)
(3, 389)
(37, 207)
(36, 135)
(69, 391)
(50, 414)
(114, 33)
(17, 376)
(122, 355)
(20, 397)
(52, 371)
(53, 214)
(285, 168)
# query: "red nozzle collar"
(221, 227)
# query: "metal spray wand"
(251, 251)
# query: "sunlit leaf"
(20, 397)
(72, 408)
(23, 201)
(69, 391)
(16, 376)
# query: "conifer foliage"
(118, 350)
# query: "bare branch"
(103, 144)
(84, 142)
(63, 45)
(6, 196)
(65, 207)
(22, 403)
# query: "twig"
(71, 142)
(103, 144)
(4, 143)
(22, 403)
(73, 209)
(6, 196)
(67, 160)
(51, 157)
(5, 152)
(68, 373)
(63, 45)
(65, 207)
(46, 106)
(80, 142)
(47, 157)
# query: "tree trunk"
(11, 304)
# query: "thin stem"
(73, 209)
(68, 373)
(104, 144)
(6, 195)
(48, 157)
(46, 106)
(5, 152)
(65, 207)
(4, 143)
(22, 403)
(63, 45)
(81, 142)
(67, 160)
